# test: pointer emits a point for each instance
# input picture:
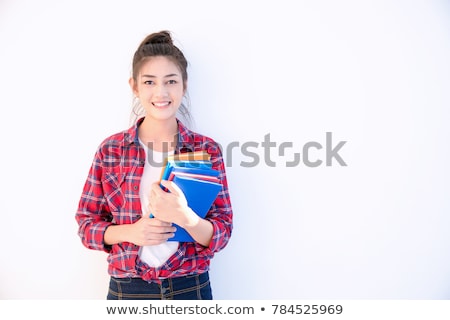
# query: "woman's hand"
(151, 231)
(144, 232)
(170, 206)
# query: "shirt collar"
(185, 136)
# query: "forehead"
(159, 66)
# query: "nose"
(161, 91)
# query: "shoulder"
(121, 138)
(192, 140)
(116, 142)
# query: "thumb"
(172, 187)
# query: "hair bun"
(163, 37)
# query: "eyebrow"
(166, 76)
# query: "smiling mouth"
(161, 104)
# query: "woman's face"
(159, 87)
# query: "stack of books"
(192, 172)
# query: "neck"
(160, 135)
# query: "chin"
(162, 116)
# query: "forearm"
(116, 234)
(200, 229)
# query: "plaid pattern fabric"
(111, 196)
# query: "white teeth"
(160, 104)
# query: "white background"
(374, 73)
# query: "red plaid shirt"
(111, 197)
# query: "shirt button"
(135, 187)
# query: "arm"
(144, 232)
(211, 233)
(172, 207)
(93, 214)
(102, 202)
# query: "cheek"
(180, 93)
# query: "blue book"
(187, 166)
(200, 195)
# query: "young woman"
(124, 211)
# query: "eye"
(172, 82)
(149, 82)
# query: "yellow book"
(189, 156)
(201, 155)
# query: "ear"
(185, 87)
(133, 86)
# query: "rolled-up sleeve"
(93, 215)
(221, 213)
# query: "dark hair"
(160, 44)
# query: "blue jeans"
(195, 287)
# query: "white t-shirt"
(155, 255)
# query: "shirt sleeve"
(93, 215)
(221, 213)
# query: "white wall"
(374, 73)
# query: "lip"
(161, 104)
